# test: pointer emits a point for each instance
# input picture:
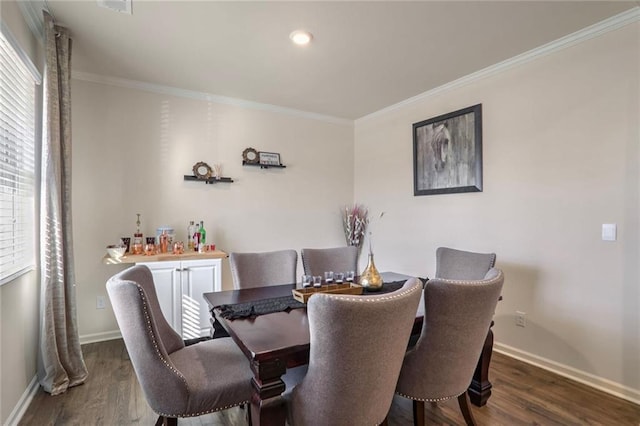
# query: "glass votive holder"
(150, 249)
(307, 281)
(328, 277)
(339, 277)
(178, 247)
(317, 281)
(137, 248)
(350, 276)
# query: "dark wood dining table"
(277, 341)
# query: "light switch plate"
(609, 232)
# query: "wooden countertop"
(139, 258)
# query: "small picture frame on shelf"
(269, 158)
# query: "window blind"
(17, 163)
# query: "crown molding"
(32, 13)
(202, 96)
(611, 24)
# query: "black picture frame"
(269, 158)
(447, 153)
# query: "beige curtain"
(61, 364)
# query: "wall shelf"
(264, 166)
(210, 180)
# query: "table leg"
(267, 406)
(480, 389)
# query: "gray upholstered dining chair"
(262, 269)
(177, 381)
(338, 259)
(457, 317)
(352, 375)
(456, 264)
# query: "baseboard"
(23, 403)
(30, 391)
(100, 337)
(605, 385)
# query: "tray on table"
(303, 294)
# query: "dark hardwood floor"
(522, 395)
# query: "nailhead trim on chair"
(153, 337)
(165, 362)
(428, 399)
(456, 282)
(369, 300)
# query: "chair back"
(357, 347)
(456, 264)
(457, 318)
(338, 259)
(148, 337)
(263, 269)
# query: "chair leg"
(465, 407)
(248, 416)
(418, 413)
(167, 421)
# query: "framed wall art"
(269, 158)
(447, 153)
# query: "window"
(17, 161)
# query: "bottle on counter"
(202, 237)
(137, 238)
(190, 231)
(164, 242)
(203, 233)
(196, 238)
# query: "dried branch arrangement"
(354, 223)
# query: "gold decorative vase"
(370, 278)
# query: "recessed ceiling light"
(301, 37)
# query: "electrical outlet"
(100, 302)
(521, 319)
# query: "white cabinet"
(180, 285)
(167, 280)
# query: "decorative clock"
(250, 156)
(202, 170)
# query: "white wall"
(131, 149)
(19, 299)
(561, 157)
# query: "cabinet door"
(167, 282)
(198, 277)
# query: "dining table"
(276, 341)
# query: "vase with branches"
(370, 278)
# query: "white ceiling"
(364, 56)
